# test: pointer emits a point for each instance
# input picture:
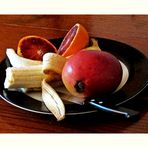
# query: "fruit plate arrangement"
(134, 60)
(73, 75)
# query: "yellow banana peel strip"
(53, 62)
(52, 101)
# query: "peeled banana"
(17, 61)
(30, 74)
(24, 77)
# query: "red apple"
(91, 73)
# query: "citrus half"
(34, 47)
(76, 39)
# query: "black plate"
(135, 61)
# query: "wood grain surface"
(129, 29)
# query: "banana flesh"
(29, 78)
(24, 77)
(17, 61)
(53, 101)
(27, 73)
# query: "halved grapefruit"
(34, 47)
(76, 39)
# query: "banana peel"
(18, 61)
(53, 62)
(53, 101)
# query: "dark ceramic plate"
(135, 61)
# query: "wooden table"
(130, 29)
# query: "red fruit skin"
(99, 71)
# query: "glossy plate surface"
(135, 61)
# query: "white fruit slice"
(125, 75)
(17, 61)
(52, 101)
